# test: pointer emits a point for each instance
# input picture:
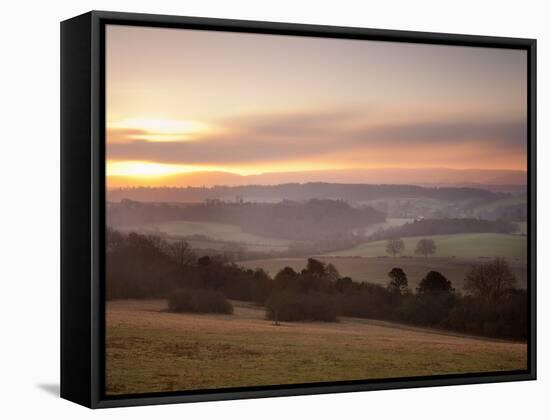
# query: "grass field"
(214, 231)
(468, 245)
(375, 270)
(150, 350)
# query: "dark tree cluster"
(147, 267)
(140, 266)
(492, 306)
(305, 296)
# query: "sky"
(190, 102)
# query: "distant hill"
(300, 192)
(415, 176)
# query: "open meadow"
(466, 245)
(151, 350)
(216, 235)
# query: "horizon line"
(456, 185)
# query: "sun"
(142, 169)
(145, 170)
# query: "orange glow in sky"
(188, 101)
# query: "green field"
(455, 255)
(150, 350)
(220, 232)
(467, 245)
(375, 269)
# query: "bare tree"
(182, 253)
(395, 247)
(491, 280)
(425, 247)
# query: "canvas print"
(286, 210)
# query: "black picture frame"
(83, 206)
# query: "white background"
(29, 206)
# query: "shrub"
(292, 306)
(200, 301)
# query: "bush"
(291, 306)
(199, 301)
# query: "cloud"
(124, 135)
(302, 136)
(505, 133)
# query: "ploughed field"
(375, 269)
(151, 350)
